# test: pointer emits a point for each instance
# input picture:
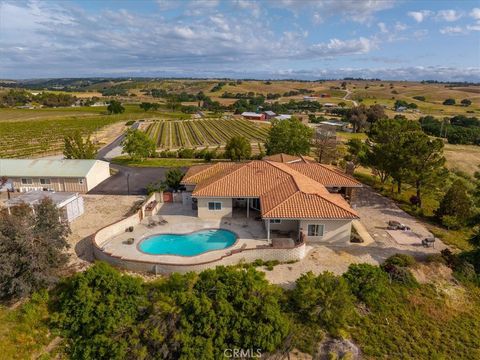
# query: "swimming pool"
(190, 244)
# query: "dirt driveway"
(100, 211)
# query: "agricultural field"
(40, 132)
(199, 133)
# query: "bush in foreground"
(367, 282)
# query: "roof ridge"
(348, 209)
(280, 203)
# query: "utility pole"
(128, 183)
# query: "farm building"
(269, 114)
(310, 98)
(253, 116)
(69, 203)
(54, 175)
(283, 117)
(329, 105)
(334, 125)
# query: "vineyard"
(27, 138)
(194, 133)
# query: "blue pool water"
(188, 244)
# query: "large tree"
(138, 145)
(238, 148)
(173, 178)
(115, 107)
(375, 112)
(32, 248)
(356, 152)
(456, 203)
(77, 148)
(289, 137)
(325, 146)
(357, 116)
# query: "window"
(27, 181)
(44, 181)
(255, 204)
(315, 230)
(275, 221)
(213, 205)
(80, 181)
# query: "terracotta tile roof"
(286, 158)
(284, 192)
(327, 175)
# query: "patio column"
(268, 229)
(248, 207)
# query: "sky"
(269, 39)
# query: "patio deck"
(181, 220)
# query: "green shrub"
(324, 299)
(451, 222)
(367, 282)
(94, 308)
(402, 260)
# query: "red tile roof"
(284, 191)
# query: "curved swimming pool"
(191, 244)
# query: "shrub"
(94, 309)
(324, 299)
(449, 102)
(402, 260)
(367, 282)
(451, 222)
(400, 274)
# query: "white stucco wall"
(335, 231)
(204, 213)
(98, 173)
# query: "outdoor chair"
(428, 242)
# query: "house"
(329, 105)
(69, 203)
(293, 196)
(269, 114)
(310, 98)
(248, 115)
(283, 117)
(401, 109)
(54, 175)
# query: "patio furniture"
(395, 225)
(129, 229)
(129, 241)
(429, 242)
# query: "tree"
(32, 248)
(356, 152)
(375, 113)
(324, 299)
(76, 148)
(423, 161)
(146, 106)
(173, 103)
(173, 178)
(449, 102)
(456, 203)
(357, 116)
(466, 102)
(95, 308)
(115, 107)
(325, 145)
(238, 148)
(138, 145)
(290, 137)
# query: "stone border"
(232, 257)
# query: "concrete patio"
(181, 220)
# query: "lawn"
(157, 162)
(465, 158)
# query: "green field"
(195, 133)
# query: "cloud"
(419, 16)
(475, 13)
(342, 47)
(452, 30)
(382, 27)
(449, 15)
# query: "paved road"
(127, 180)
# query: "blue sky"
(388, 39)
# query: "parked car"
(395, 225)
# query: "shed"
(69, 203)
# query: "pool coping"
(228, 248)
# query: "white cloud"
(452, 30)
(382, 27)
(419, 16)
(475, 13)
(449, 15)
(400, 26)
(337, 47)
(475, 27)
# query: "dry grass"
(465, 158)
